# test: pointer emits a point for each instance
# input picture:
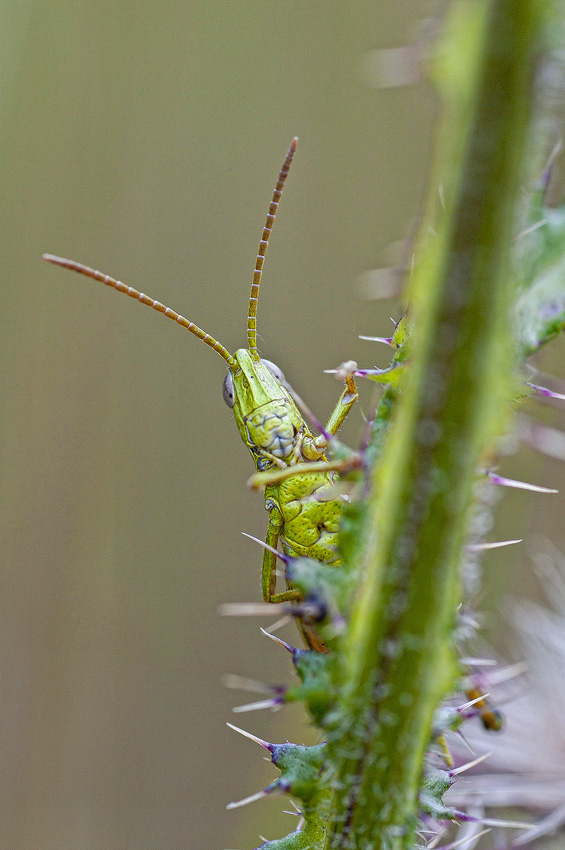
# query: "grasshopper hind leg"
(269, 570)
(269, 584)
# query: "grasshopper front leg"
(313, 448)
(344, 404)
(269, 571)
(346, 400)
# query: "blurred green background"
(145, 139)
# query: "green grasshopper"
(300, 497)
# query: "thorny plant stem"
(398, 659)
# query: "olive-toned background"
(145, 139)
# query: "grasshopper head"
(266, 416)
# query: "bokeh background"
(145, 139)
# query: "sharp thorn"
(544, 391)
(465, 741)
(257, 706)
(285, 558)
(456, 771)
(519, 485)
(280, 641)
(247, 800)
(386, 339)
(260, 741)
(472, 702)
(506, 674)
(242, 683)
(481, 547)
(507, 824)
(246, 609)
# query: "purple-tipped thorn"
(258, 706)
(280, 642)
(286, 559)
(544, 391)
(270, 747)
(519, 485)
(386, 339)
(462, 768)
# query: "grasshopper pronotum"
(304, 512)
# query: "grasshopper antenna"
(144, 299)
(254, 297)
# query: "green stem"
(398, 662)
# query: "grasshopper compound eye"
(274, 370)
(228, 390)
